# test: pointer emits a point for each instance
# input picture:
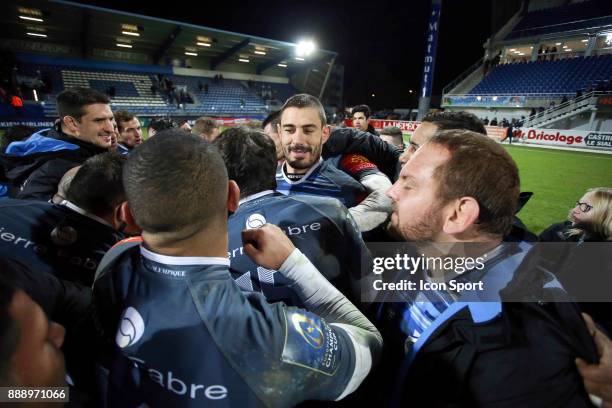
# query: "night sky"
(380, 43)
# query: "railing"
(564, 108)
(463, 75)
(496, 99)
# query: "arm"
(381, 153)
(376, 207)
(598, 377)
(269, 247)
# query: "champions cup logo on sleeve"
(255, 221)
(131, 328)
(308, 330)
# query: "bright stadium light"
(304, 48)
(299, 58)
(39, 20)
(132, 33)
(557, 43)
(193, 54)
(282, 65)
(124, 45)
(37, 35)
(203, 44)
(243, 60)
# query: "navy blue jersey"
(202, 342)
(54, 239)
(323, 179)
(320, 227)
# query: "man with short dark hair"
(178, 279)
(206, 128)
(435, 121)
(35, 166)
(459, 192)
(394, 136)
(324, 231)
(129, 131)
(68, 240)
(361, 119)
(303, 131)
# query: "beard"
(422, 230)
(302, 164)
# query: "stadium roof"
(84, 26)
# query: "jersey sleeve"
(357, 166)
(295, 355)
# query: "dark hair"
(162, 124)
(122, 116)
(9, 333)
(204, 125)
(15, 134)
(250, 159)
(71, 101)
(273, 118)
(176, 183)
(480, 168)
(394, 132)
(362, 108)
(97, 186)
(456, 120)
(302, 101)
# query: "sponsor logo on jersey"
(255, 221)
(131, 328)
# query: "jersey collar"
(183, 260)
(303, 179)
(255, 196)
(81, 211)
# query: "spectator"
(486, 121)
(206, 128)
(200, 86)
(361, 119)
(250, 158)
(394, 136)
(206, 88)
(35, 165)
(590, 220)
(181, 269)
(493, 122)
(446, 183)
(129, 130)
(581, 268)
(157, 125)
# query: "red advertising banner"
(494, 132)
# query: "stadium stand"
(560, 77)
(575, 16)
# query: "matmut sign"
(567, 138)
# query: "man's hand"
(267, 246)
(598, 377)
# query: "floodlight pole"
(430, 58)
(329, 69)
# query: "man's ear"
(460, 215)
(71, 124)
(326, 133)
(123, 217)
(233, 196)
